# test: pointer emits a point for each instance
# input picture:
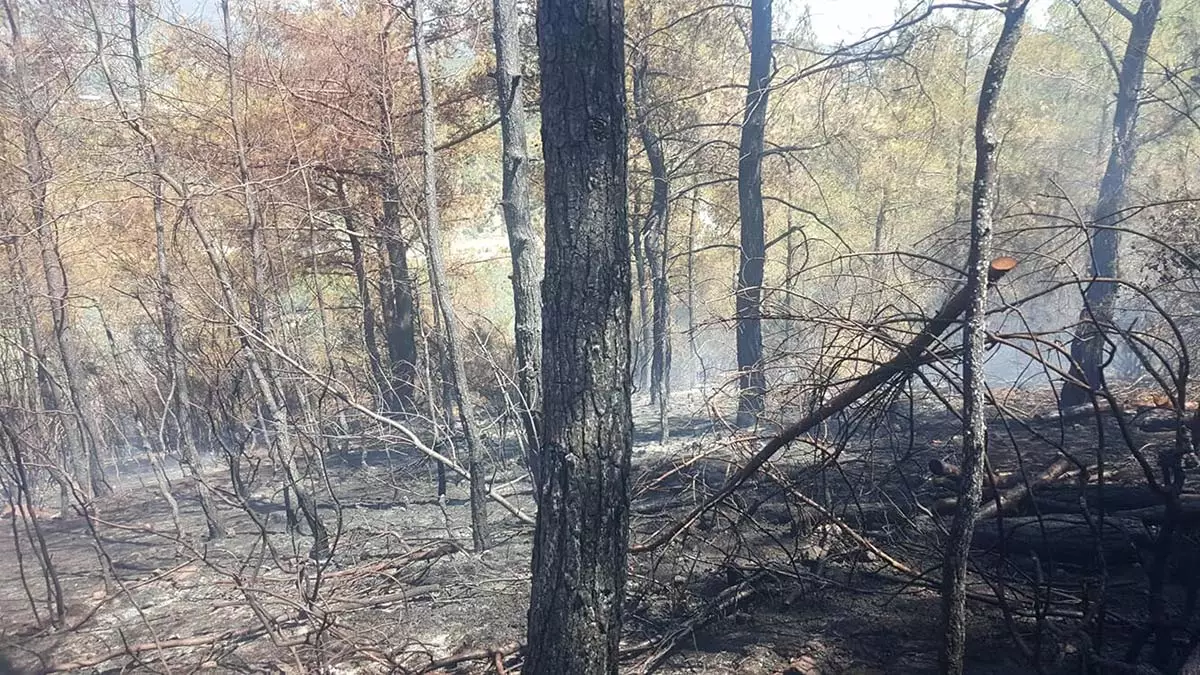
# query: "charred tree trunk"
(169, 307)
(582, 533)
(1087, 348)
(25, 511)
(400, 332)
(362, 283)
(441, 285)
(954, 565)
(396, 291)
(271, 394)
(48, 393)
(522, 241)
(752, 382)
(656, 249)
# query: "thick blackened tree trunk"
(656, 247)
(954, 567)
(751, 380)
(581, 539)
(1087, 348)
(400, 332)
(441, 286)
(522, 241)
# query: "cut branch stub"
(999, 267)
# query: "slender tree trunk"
(38, 173)
(362, 283)
(656, 248)
(582, 536)
(523, 243)
(24, 488)
(961, 199)
(274, 402)
(954, 566)
(1087, 348)
(48, 392)
(691, 288)
(642, 348)
(752, 382)
(169, 307)
(441, 285)
(397, 295)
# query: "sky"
(848, 20)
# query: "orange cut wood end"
(1001, 266)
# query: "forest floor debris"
(797, 573)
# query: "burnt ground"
(766, 583)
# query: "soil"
(403, 590)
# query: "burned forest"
(587, 337)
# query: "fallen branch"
(399, 596)
(846, 529)
(384, 419)
(134, 650)
(282, 621)
(714, 610)
(486, 654)
(902, 362)
(1064, 538)
(1010, 496)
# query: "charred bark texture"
(1088, 346)
(645, 337)
(359, 263)
(752, 382)
(581, 538)
(954, 565)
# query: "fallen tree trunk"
(1063, 539)
(1010, 497)
(1048, 494)
(902, 362)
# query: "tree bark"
(38, 175)
(523, 243)
(642, 347)
(359, 263)
(441, 285)
(1087, 347)
(954, 565)
(48, 393)
(657, 221)
(181, 402)
(582, 532)
(274, 403)
(396, 291)
(751, 379)
(691, 294)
